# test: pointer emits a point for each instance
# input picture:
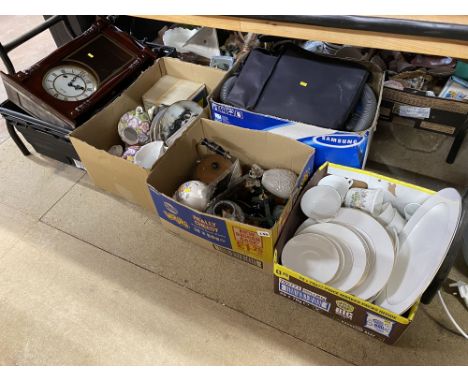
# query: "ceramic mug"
(388, 190)
(365, 199)
(387, 214)
(134, 127)
(339, 183)
(397, 223)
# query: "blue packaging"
(345, 148)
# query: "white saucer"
(355, 261)
(380, 245)
(313, 256)
(424, 243)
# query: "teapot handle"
(139, 110)
(151, 112)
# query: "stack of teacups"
(323, 201)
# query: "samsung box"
(346, 308)
(244, 242)
(347, 148)
(92, 139)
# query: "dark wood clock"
(66, 87)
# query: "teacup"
(130, 152)
(321, 202)
(410, 209)
(339, 183)
(387, 214)
(134, 127)
(365, 199)
(147, 156)
(405, 196)
(116, 150)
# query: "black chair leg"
(17, 139)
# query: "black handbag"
(298, 85)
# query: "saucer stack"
(365, 250)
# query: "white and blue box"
(341, 147)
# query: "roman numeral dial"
(69, 83)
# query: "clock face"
(69, 83)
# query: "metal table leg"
(17, 139)
(457, 142)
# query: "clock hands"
(72, 84)
(78, 87)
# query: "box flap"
(168, 90)
(261, 147)
(108, 172)
(176, 165)
(211, 77)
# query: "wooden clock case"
(129, 58)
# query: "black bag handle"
(250, 83)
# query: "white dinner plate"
(355, 262)
(313, 256)
(424, 243)
(341, 252)
(381, 246)
(305, 224)
(370, 254)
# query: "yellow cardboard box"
(350, 310)
(245, 242)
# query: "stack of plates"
(360, 262)
(354, 253)
(425, 241)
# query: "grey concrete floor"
(87, 279)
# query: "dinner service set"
(370, 242)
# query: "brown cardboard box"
(350, 310)
(92, 140)
(248, 243)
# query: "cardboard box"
(351, 311)
(251, 244)
(345, 148)
(92, 140)
(169, 90)
(422, 134)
